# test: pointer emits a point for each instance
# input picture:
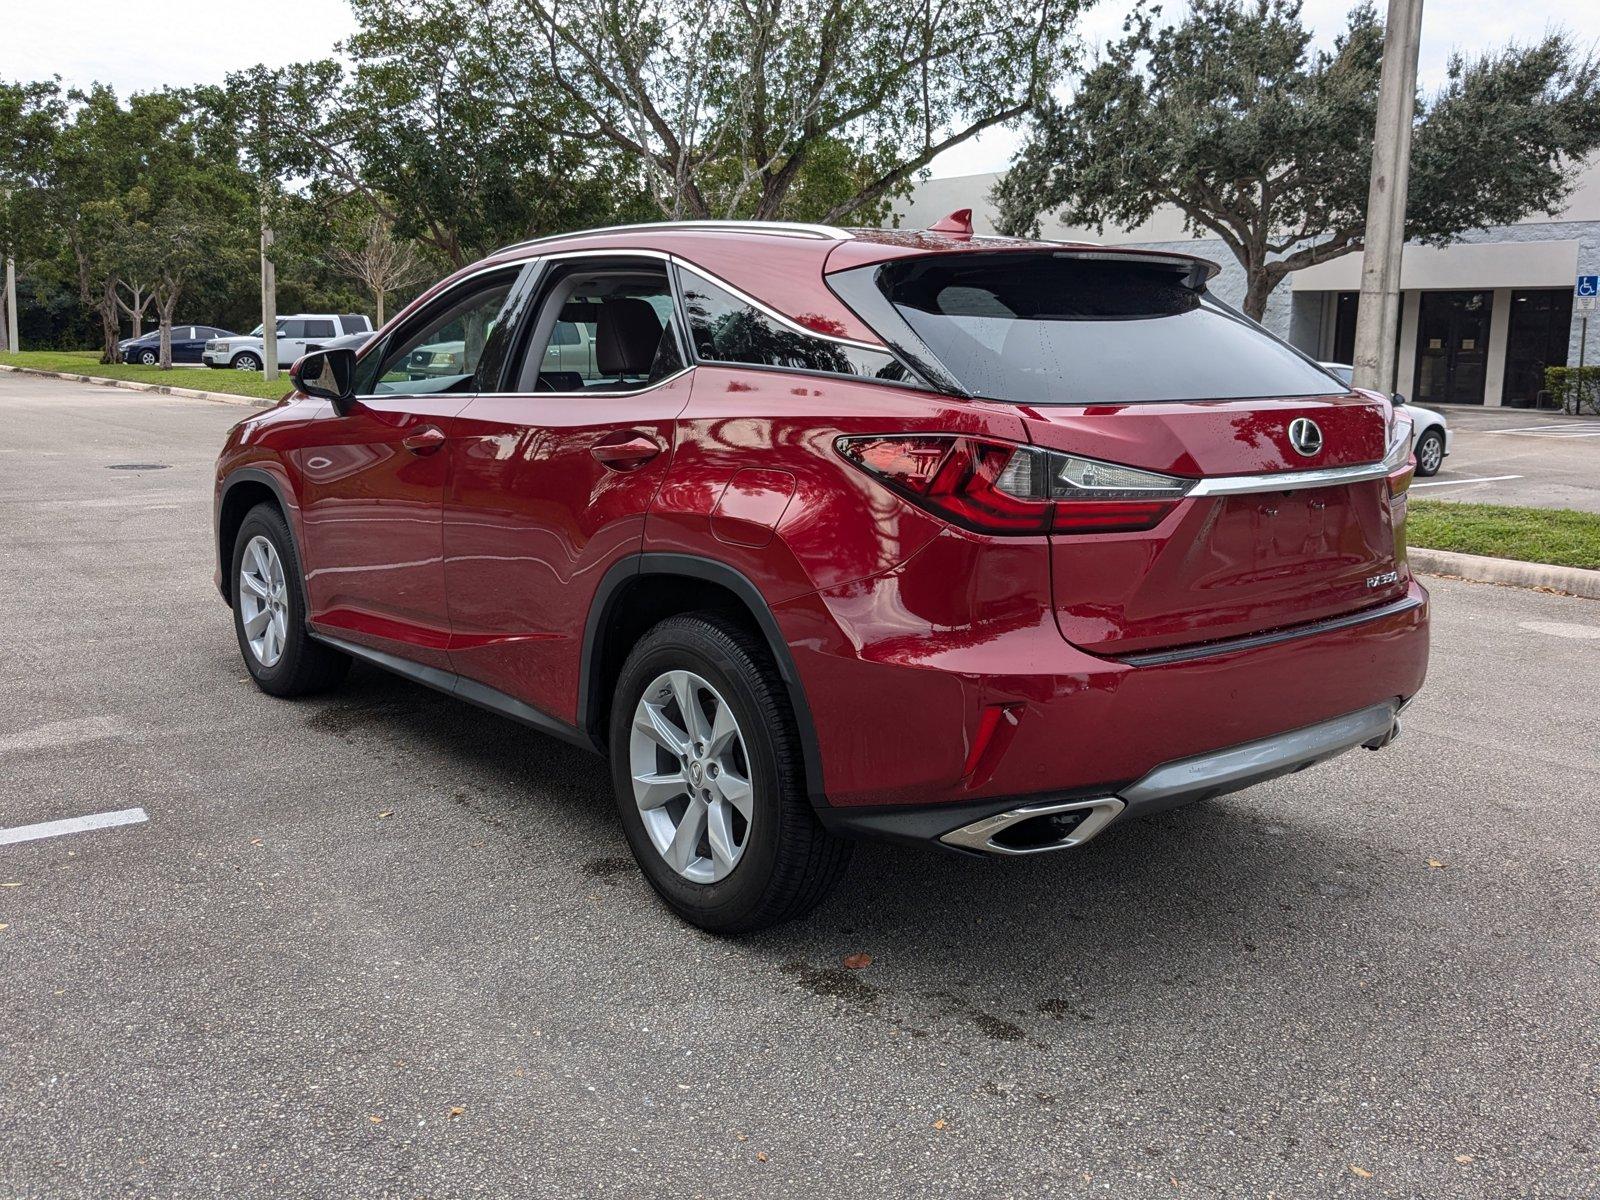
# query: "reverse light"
(1004, 488)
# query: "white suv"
(297, 335)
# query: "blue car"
(187, 343)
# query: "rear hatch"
(1123, 359)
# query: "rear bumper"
(1043, 824)
(924, 726)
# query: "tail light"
(1005, 488)
(1400, 462)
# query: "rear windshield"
(1058, 329)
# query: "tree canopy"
(1233, 119)
(799, 109)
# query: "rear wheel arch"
(640, 592)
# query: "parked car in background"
(297, 335)
(188, 342)
(1430, 434)
(979, 543)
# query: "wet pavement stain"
(833, 983)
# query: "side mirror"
(327, 375)
(1399, 399)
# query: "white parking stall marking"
(1568, 429)
(49, 829)
(1449, 482)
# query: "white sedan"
(1430, 436)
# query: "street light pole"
(1377, 316)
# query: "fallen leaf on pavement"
(761, 1156)
(1463, 1158)
(1360, 1172)
(455, 1111)
(940, 1123)
(1435, 865)
(388, 812)
(375, 1119)
(858, 962)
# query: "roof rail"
(795, 229)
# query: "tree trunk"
(166, 305)
(379, 294)
(110, 323)
(1259, 283)
(269, 303)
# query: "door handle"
(425, 440)
(634, 450)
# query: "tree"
(379, 262)
(725, 106)
(30, 117)
(1232, 119)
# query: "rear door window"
(1041, 328)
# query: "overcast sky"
(154, 43)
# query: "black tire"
(149, 357)
(306, 665)
(1431, 442)
(789, 862)
(246, 362)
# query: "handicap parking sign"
(1588, 285)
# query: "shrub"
(1574, 389)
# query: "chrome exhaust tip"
(1036, 828)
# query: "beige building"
(1480, 318)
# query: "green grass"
(204, 379)
(1543, 535)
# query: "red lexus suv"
(819, 533)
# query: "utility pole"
(1377, 315)
(269, 303)
(269, 271)
(12, 342)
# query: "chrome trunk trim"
(1288, 481)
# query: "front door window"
(1452, 347)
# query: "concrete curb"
(135, 386)
(1574, 581)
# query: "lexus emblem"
(1305, 437)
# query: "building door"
(1452, 347)
(1541, 327)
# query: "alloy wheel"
(1431, 454)
(264, 601)
(148, 358)
(691, 776)
(246, 362)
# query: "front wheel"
(1430, 452)
(707, 769)
(246, 362)
(269, 611)
(148, 357)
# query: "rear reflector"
(1004, 488)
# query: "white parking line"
(46, 829)
(1448, 482)
(1536, 429)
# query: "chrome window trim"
(1287, 481)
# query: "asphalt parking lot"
(379, 944)
(1515, 456)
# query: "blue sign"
(1588, 285)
